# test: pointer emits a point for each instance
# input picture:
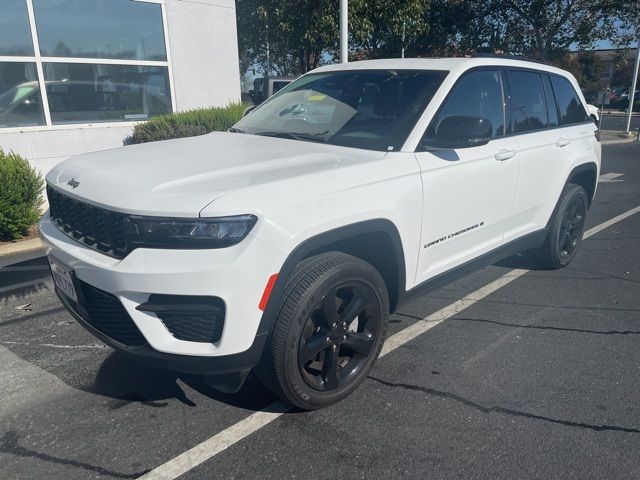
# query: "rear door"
(467, 192)
(550, 124)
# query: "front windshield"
(17, 94)
(370, 109)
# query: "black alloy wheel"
(339, 336)
(328, 332)
(565, 229)
(572, 227)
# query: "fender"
(584, 168)
(589, 167)
(316, 244)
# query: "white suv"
(284, 244)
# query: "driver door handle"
(504, 154)
(561, 142)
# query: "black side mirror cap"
(461, 131)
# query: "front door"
(468, 192)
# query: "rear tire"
(566, 229)
(328, 333)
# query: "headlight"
(191, 233)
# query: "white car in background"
(284, 244)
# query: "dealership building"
(77, 75)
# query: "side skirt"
(531, 240)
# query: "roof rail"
(508, 57)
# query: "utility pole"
(268, 51)
(404, 31)
(344, 31)
(634, 78)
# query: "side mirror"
(248, 110)
(462, 131)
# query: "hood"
(180, 177)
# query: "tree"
(548, 26)
(622, 69)
(586, 66)
(380, 28)
(295, 33)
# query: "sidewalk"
(20, 246)
(608, 137)
(619, 113)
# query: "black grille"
(107, 315)
(193, 328)
(96, 227)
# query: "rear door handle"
(561, 142)
(504, 154)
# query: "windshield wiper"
(309, 137)
(235, 130)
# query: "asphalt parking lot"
(535, 376)
(619, 122)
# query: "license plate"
(62, 279)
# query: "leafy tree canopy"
(294, 36)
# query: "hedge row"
(187, 124)
(20, 196)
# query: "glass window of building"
(102, 61)
(20, 100)
(87, 93)
(118, 29)
(15, 34)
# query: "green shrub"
(187, 124)
(20, 196)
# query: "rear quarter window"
(570, 107)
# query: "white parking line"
(608, 223)
(254, 422)
(53, 345)
(35, 268)
(16, 286)
(610, 177)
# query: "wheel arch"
(376, 241)
(585, 175)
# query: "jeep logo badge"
(73, 183)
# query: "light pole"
(344, 31)
(404, 33)
(634, 78)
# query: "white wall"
(45, 148)
(204, 52)
(203, 48)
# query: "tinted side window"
(552, 109)
(477, 94)
(569, 104)
(528, 103)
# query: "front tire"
(328, 333)
(567, 229)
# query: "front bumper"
(220, 366)
(236, 274)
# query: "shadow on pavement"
(126, 381)
(522, 261)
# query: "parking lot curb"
(21, 247)
(618, 138)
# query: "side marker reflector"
(267, 291)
